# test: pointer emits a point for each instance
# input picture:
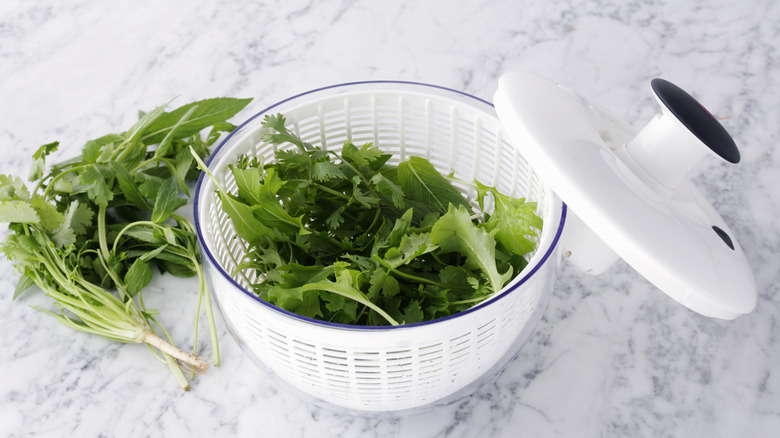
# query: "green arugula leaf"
(167, 201)
(455, 232)
(270, 212)
(250, 184)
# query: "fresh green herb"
(348, 238)
(94, 228)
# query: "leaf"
(365, 156)
(167, 201)
(347, 284)
(456, 280)
(384, 283)
(413, 312)
(363, 199)
(97, 188)
(247, 226)
(511, 221)
(137, 277)
(50, 217)
(13, 188)
(426, 189)
(165, 145)
(282, 135)
(184, 162)
(146, 123)
(270, 212)
(411, 247)
(18, 212)
(39, 160)
(335, 219)
(128, 186)
(76, 221)
(150, 185)
(204, 113)
(45, 150)
(24, 283)
(455, 232)
(326, 171)
(250, 184)
(389, 189)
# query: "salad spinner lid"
(632, 189)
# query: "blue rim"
(254, 296)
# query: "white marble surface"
(612, 356)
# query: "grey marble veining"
(612, 356)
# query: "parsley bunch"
(93, 228)
(348, 238)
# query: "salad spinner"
(627, 195)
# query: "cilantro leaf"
(39, 160)
(20, 212)
(76, 221)
(365, 156)
(97, 187)
(13, 188)
(389, 189)
(326, 171)
(50, 217)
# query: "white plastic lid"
(632, 189)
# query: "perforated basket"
(384, 368)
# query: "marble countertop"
(612, 356)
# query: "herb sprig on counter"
(348, 238)
(93, 230)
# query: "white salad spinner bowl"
(629, 194)
(385, 368)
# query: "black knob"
(696, 119)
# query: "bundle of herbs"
(348, 238)
(94, 229)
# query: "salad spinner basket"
(384, 368)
